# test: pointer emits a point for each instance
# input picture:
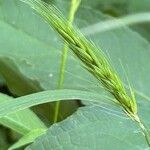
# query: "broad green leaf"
(23, 121)
(93, 128)
(23, 85)
(28, 138)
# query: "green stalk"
(72, 11)
(144, 130)
(112, 24)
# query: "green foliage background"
(30, 53)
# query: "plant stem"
(116, 23)
(144, 130)
(73, 9)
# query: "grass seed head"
(93, 58)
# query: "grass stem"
(144, 130)
(73, 9)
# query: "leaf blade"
(20, 121)
(95, 128)
(48, 96)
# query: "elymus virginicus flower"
(93, 58)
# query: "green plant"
(90, 123)
(94, 62)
